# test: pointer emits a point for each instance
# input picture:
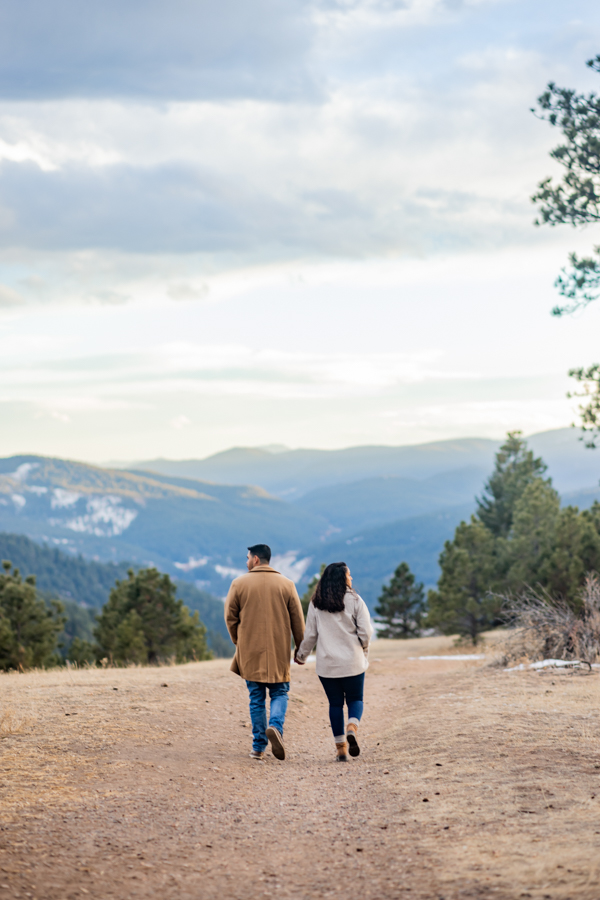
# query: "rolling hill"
(84, 585)
(196, 531)
(374, 553)
(374, 501)
(294, 473)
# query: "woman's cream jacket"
(342, 638)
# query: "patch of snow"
(22, 471)
(459, 656)
(62, 499)
(192, 563)
(105, 517)
(550, 663)
(543, 663)
(290, 566)
(19, 500)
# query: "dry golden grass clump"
(548, 628)
(10, 723)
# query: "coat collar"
(263, 569)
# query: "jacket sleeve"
(310, 635)
(232, 612)
(364, 629)
(296, 615)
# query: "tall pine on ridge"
(515, 468)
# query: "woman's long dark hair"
(330, 591)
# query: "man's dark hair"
(263, 551)
(330, 591)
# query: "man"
(262, 612)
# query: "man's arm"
(296, 615)
(232, 612)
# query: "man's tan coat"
(262, 611)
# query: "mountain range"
(293, 473)
(371, 506)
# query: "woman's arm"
(364, 629)
(310, 635)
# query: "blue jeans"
(278, 693)
(349, 689)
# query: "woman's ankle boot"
(342, 751)
(352, 738)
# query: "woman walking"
(338, 622)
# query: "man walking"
(262, 612)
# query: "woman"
(338, 622)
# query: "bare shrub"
(547, 628)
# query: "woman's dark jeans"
(349, 689)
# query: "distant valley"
(371, 506)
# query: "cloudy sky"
(281, 221)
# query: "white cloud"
(333, 224)
(180, 422)
(9, 297)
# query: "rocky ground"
(472, 782)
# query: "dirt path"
(134, 783)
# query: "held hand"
(299, 662)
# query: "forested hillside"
(82, 581)
(84, 585)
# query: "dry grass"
(546, 628)
(11, 723)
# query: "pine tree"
(28, 627)
(515, 468)
(143, 622)
(533, 535)
(82, 651)
(464, 602)
(575, 554)
(550, 548)
(401, 605)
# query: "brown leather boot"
(352, 738)
(342, 751)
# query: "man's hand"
(299, 662)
